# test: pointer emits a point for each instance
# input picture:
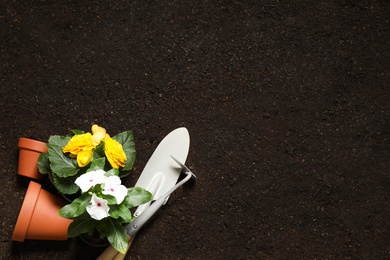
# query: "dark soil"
(286, 102)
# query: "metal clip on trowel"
(133, 227)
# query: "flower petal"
(111, 181)
(114, 153)
(98, 208)
(78, 143)
(119, 192)
(84, 157)
(112, 186)
(98, 134)
(90, 179)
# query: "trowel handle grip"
(111, 254)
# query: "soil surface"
(286, 102)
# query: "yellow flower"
(84, 157)
(81, 147)
(98, 134)
(78, 143)
(114, 152)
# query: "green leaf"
(137, 196)
(77, 207)
(122, 211)
(127, 140)
(82, 224)
(116, 234)
(98, 152)
(44, 163)
(61, 141)
(61, 164)
(65, 185)
(111, 200)
(112, 172)
(102, 229)
(77, 132)
(97, 164)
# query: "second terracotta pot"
(29, 151)
(39, 218)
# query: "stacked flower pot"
(38, 217)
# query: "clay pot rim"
(27, 209)
(32, 144)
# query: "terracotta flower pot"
(39, 218)
(29, 151)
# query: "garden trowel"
(159, 175)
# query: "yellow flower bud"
(114, 152)
(78, 143)
(99, 133)
(84, 157)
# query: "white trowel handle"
(111, 254)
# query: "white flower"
(90, 179)
(98, 208)
(112, 186)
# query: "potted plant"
(90, 166)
